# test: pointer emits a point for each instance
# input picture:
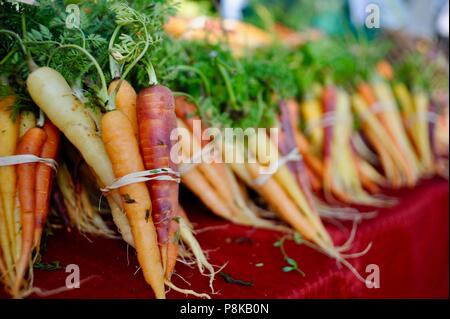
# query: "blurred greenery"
(330, 16)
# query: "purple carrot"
(432, 129)
(286, 145)
(329, 107)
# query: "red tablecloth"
(410, 247)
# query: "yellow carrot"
(9, 134)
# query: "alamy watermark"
(73, 279)
(73, 17)
(228, 145)
(373, 277)
(372, 20)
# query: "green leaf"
(298, 238)
(287, 269)
(291, 262)
(278, 243)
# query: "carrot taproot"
(341, 163)
(156, 120)
(286, 144)
(215, 172)
(9, 134)
(392, 162)
(366, 175)
(421, 129)
(31, 143)
(313, 162)
(311, 111)
(186, 111)
(329, 106)
(44, 178)
(209, 187)
(393, 124)
(368, 94)
(6, 250)
(283, 205)
(287, 181)
(125, 100)
(27, 120)
(123, 150)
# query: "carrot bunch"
(214, 183)
(25, 193)
(338, 128)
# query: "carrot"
(156, 120)
(27, 120)
(125, 101)
(385, 96)
(197, 183)
(277, 198)
(187, 112)
(311, 111)
(44, 178)
(51, 92)
(289, 184)
(123, 150)
(366, 174)
(392, 162)
(329, 106)
(9, 134)
(368, 94)
(384, 68)
(380, 91)
(314, 180)
(214, 172)
(311, 161)
(31, 143)
(343, 176)
(421, 129)
(286, 144)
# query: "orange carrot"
(281, 203)
(123, 150)
(125, 101)
(366, 182)
(384, 68)
(187, 112)
(44, 178)
(368, 94)
(31, 143)
(156, 120)
(311, 161)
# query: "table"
(410, 247)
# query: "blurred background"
(420, 19)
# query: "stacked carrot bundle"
(344, 132)
(117, 151)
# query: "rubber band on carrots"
(160, 174)
(27, 158)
